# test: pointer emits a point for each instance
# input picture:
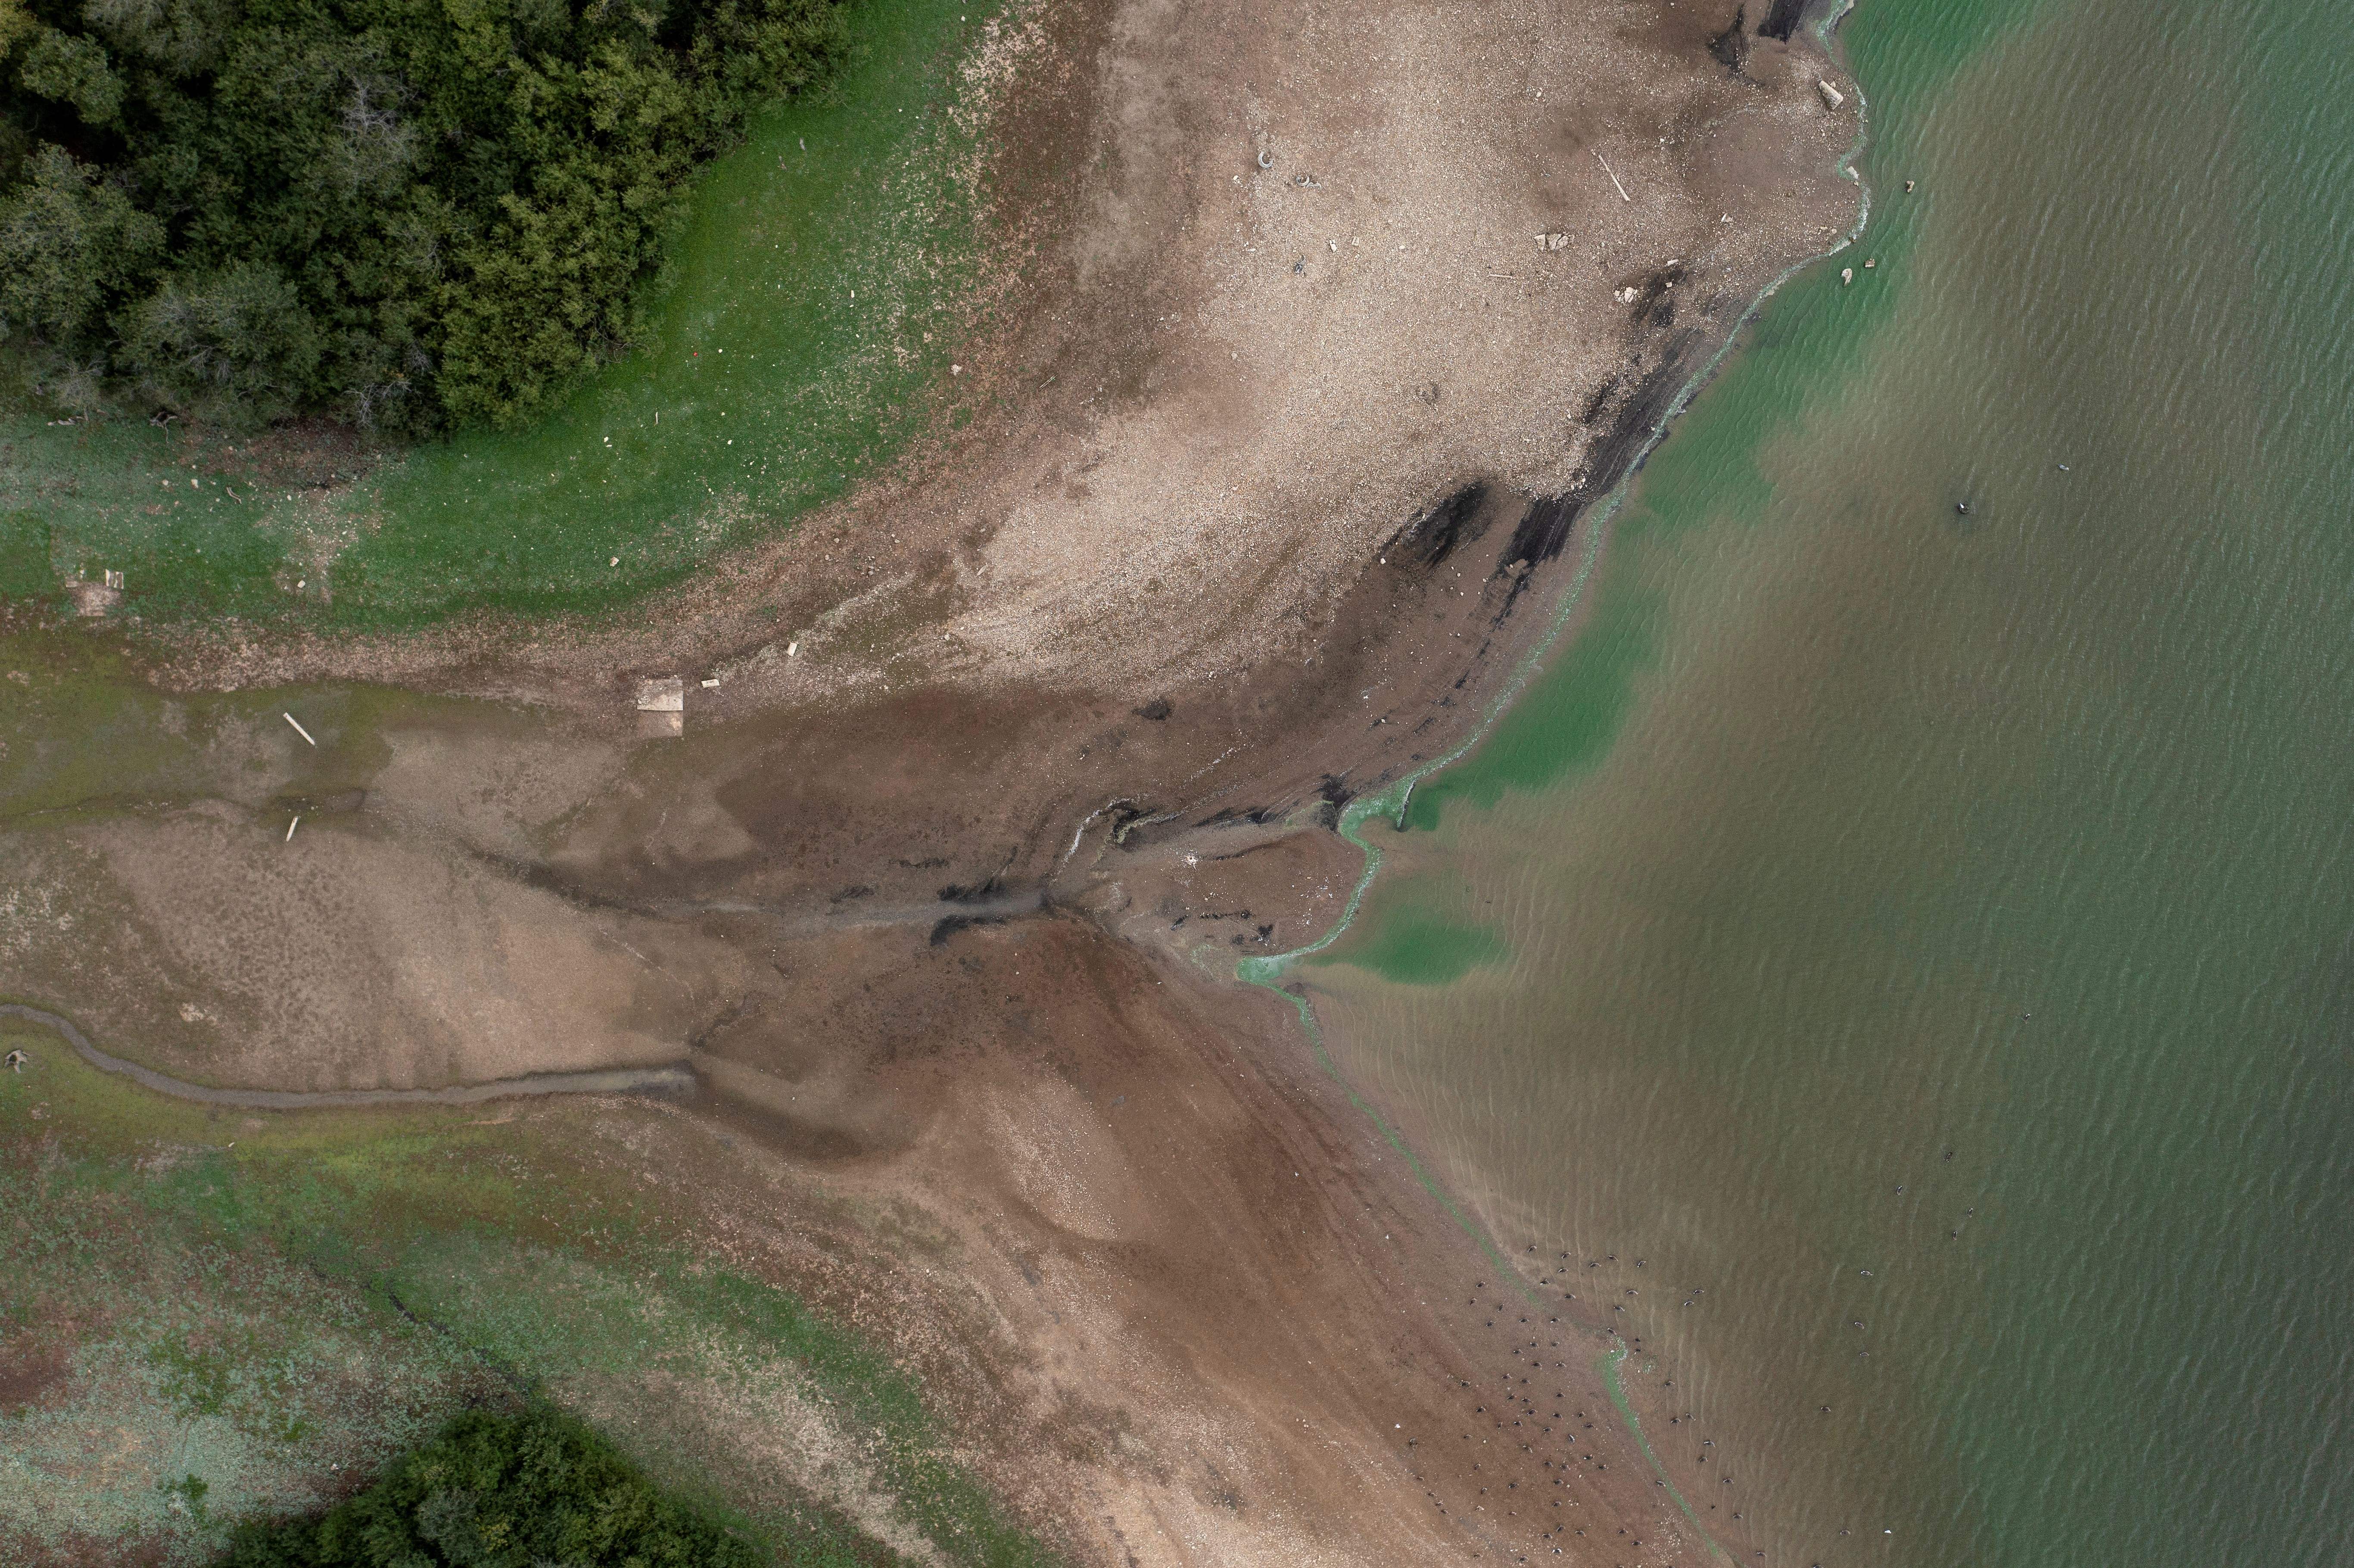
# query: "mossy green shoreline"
(813, 297)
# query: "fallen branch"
(1613, 178)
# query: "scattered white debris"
(96, 599)
(1554, 239)
(661, 707)
(1613, 178)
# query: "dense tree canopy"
(412, 213)
(501, 1491)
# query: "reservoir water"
(1925, 938)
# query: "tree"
(410, 213)
(67, 245)
(501, 1491)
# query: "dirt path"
(620, 1081)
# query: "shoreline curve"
(1389, 802)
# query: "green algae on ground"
(268, 1305)
(813, 297)
(80, 731)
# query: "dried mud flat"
(1322, 329)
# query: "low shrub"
(414, 214)
(501, 1491)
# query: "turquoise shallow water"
(1968, 899)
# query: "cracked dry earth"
(1324, 329)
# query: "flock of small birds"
(1531, 1410)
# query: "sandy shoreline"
(1304, 429)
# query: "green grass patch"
(247, 1301)
(812, 298)
(25, 569)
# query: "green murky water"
(1926, 940)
